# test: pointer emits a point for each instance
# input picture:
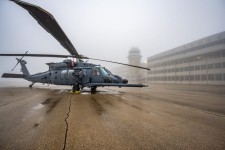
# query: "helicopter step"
(114, 84)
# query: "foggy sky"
(107, 29)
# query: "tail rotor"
(19, 61)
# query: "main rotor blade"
(48, 22)
(119, 63)
(39, 55)
(73, 56)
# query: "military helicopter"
(78, 74)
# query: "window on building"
(186, 60)
(203, 77)
(173, 78)
(197, 77)
(173, 62)
(218, 65)
(197, 67)
(203, 67)
(181, 78)
(192, 77)
(210, 66)
(166, 63)
(181, 61)
(165, 78)
(186, 78)
(186, 68)
(160, 78)
(217, 55)
(211, 77)
(218, 76)
(223, 53)
(159, 71)
(191, 59)
(223, 64)
(210, 55)
(191, 68)
(177, 78)
(177, 69)
(181, 69)
(224, 77)
(169, 78)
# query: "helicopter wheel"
(93, 89)
(76, 87)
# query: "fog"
(106, 29)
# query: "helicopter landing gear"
(76, 88)
(31, 84)
(93, 89)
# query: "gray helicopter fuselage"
(83, 74)
(77, 74)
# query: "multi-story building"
(198, 62)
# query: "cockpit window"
(104, 72)
(108, 71)
(95, 72)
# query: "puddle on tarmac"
(61, 91)
(102, 92)
(39, 106)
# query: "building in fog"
(134, 75)
(198, 62)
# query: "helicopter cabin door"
(86, 75)
(67, 77)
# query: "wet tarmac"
(156, 117)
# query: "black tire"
(76, 88)
(93, 89)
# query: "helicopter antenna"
(19, 61)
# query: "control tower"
(134, 58)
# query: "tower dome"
(134, 56)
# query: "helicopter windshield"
(108, 71)
(103, 71)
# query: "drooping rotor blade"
(18, 61)
(119, 63)
(73, 56)
(48, 22)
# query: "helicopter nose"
(125, 81)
